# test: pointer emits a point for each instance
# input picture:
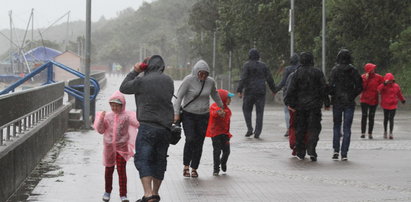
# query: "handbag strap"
(198, 95)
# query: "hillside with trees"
(182, 31)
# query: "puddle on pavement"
(45, 169)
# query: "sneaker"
(335, 156)
(124, 199)
(313, 158)
(300, 157)
(370, 136)
(224, 167)
(362, 135)
(385, 135)
(391, 137)
(344, 158)
(257, 136)
(106, 196)
(249, 133)
(215, 173)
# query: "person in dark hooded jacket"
(345, 85)
(253, 78)
(294, 63)
(153, 92)
(305, 96)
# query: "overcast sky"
(48, 11)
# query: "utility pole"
(11, 42)
(229, 70)
(86, 112)
(32, 28)
(323, 40)
(214, 55)
(291, 28)
(67, 31)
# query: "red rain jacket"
(369, 94)
(219, 125)
(390, 93)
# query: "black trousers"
(221, 144)
(195, 127)
(307, 122)
(248, 104)
(389, 117)
(368, 112)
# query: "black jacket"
(254, 76)
(345, 85)
(307, 89)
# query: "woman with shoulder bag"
(194, 97)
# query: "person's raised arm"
(128, 86)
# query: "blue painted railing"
(71, 90)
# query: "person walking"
(390, 95)
(306, 94)
(345, 85)
(253, 78)
(294, 63)
(194, 93)
(219, 131)
(369, 98)
(118, 142)
(153, 92)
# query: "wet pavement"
(258, 169)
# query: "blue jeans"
(338, 113)
(287, 117)
(152, 144)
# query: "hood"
(118, 95)
(155, 64)
(369, 67)
(253, 54)
(389, 77)
(344, 57)
(306, 59)
(294, 60)
(224, 94)
(201, 65)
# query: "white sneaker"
(124, 199)
(106, 196)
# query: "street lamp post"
(86, 108)
(291, 28)
(323, 38)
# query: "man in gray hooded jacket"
(253, 78)
(153, 92)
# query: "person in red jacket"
(390, 94)
(219, 131)
(369, 98)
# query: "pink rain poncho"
(120, 131)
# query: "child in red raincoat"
(120, 130)
(219, 131)
(369, 98)
(390, 94)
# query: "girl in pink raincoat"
(119, 128)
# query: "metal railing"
(23, 124)
(68, 89)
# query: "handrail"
(68, 89)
